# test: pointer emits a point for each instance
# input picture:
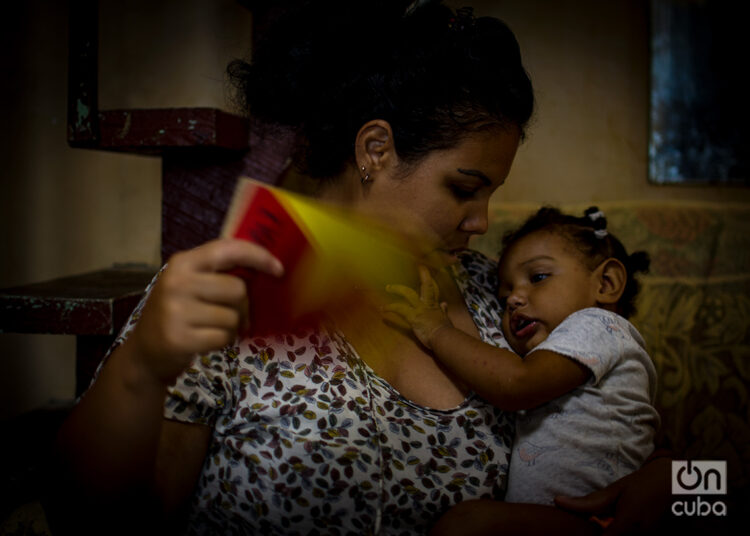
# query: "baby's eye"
(535, 278)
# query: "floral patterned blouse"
(307, 439)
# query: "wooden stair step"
(93, 303)
(152, 131)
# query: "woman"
(352, 427)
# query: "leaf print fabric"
(307, 439)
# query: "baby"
(578, 374)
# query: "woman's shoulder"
(257, 368)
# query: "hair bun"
(638, 261)
(463, 20)
(325, 67)
(595, 219)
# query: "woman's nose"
(476, 222)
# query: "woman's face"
(443, 200)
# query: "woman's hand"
(115, 448)
(423, 312)
(638, 502)
(195, 306)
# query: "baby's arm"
(499, 376)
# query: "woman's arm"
(115, 446)
(499, 376)
(119, 459)
(638, 503)
(181, 453)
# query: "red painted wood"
(151, 131)
(94, 303)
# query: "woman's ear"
(373, 147)
(611, 277)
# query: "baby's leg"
(487, 517)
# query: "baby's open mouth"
(522, 326)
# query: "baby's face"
(543, 279)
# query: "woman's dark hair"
(327, 67)
(589, 236)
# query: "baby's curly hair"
(589, 236)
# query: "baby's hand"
(423, 312)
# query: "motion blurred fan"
(329, 255)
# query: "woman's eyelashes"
(463, 191)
